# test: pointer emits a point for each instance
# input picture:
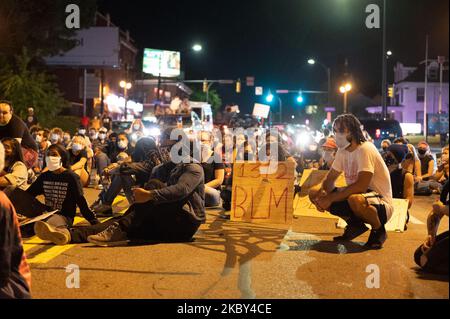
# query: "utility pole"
(425, 102)
(384, 80)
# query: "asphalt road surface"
(231, 260)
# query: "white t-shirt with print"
(366, 158)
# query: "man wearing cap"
(329, 149)
(12, 126)
(31, 118)
(402, 181)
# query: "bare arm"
(408, 189)
(218, 181)
(360, 187)
(79, 165)
(328, 184)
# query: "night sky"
(272, 39)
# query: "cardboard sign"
(261, 195)
(397, 221)
(302, 204)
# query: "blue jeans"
(119, 182)
(212, 197)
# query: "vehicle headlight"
(154, 131)
(303, 139)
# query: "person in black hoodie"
(165, 212)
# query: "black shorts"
(343, 210)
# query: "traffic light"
(391, 91)
(205, 86)
(269, 97)
(300, 98)
(238, 86)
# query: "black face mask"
(385, 149)
(422, 152)
(390, 161)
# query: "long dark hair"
(62, 152)
(350, 122)
(16, 155)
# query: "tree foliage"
(25, 87)
(39, 25)
(213, 99)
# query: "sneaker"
(98, 202)
(111, 237)
(376, 238)
(103, 210)
(58, 236)
(352, 231)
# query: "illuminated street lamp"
(327, 69)
(197, 47)
(125, 86)
(344, 89)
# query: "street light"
(327, 69)
(344, 89)
(389, 53)
(125, 86)
(197, 47)
(269, 97)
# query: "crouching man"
(368, 196)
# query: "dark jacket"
(185, 184)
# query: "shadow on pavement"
(428, 276)
(329, 247)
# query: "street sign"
(250, 81)
(259, 90)
(282, 91)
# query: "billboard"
(96, 47)
(162, 63)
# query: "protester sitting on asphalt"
(67, 140)
(213, 170)
(82, 132)
(424, 183)
(442, 173)
(329, 149)
(15, 275)
(432, 256)
(426, 161)
(43, 144)
(101, 140)
(385, 145)
(368, 196)
(93, 134)
(122, 145)
(411, 162)
(15, 172)
(78, 158)
(12, 126)
(402, 181)
(62, 192)
(147, 157)
(171, 213)
(56, 135)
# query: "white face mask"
(53, 163)
(55, 138)
(77, 147)
(122, 145)
(93, 135)
(341, 141)
(38, 138)
(82, 132)
(136, 127)
(102, 136)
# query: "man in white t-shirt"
(368, 196)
